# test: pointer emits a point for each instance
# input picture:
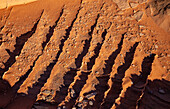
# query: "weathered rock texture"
(92, 54)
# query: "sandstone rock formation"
(86, 54)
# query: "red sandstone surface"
(85, 54)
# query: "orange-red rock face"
(85, 54)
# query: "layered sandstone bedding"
(85, 54)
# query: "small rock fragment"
(16, 57)
(43, 97)
(64, 107)
(91, 103)
(73, 93)
(81, 99)
(91, 95)
(161, 91)
(156, 46)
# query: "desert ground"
(85, 54)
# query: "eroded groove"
(69, 76)
(44, 75)
(118, 79)
(93, 26)
(43, 79)
(51, 30)
(79, 83)
(68, 79)
(103, 79)
(76, 88)
(20, 41)
(40, 83)
(35, 90)
(50, 67)
(134, 92)
(70, 28)
(96, 51)
(22, 79)
(112, 57)
(86, 46)
(17, 85)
